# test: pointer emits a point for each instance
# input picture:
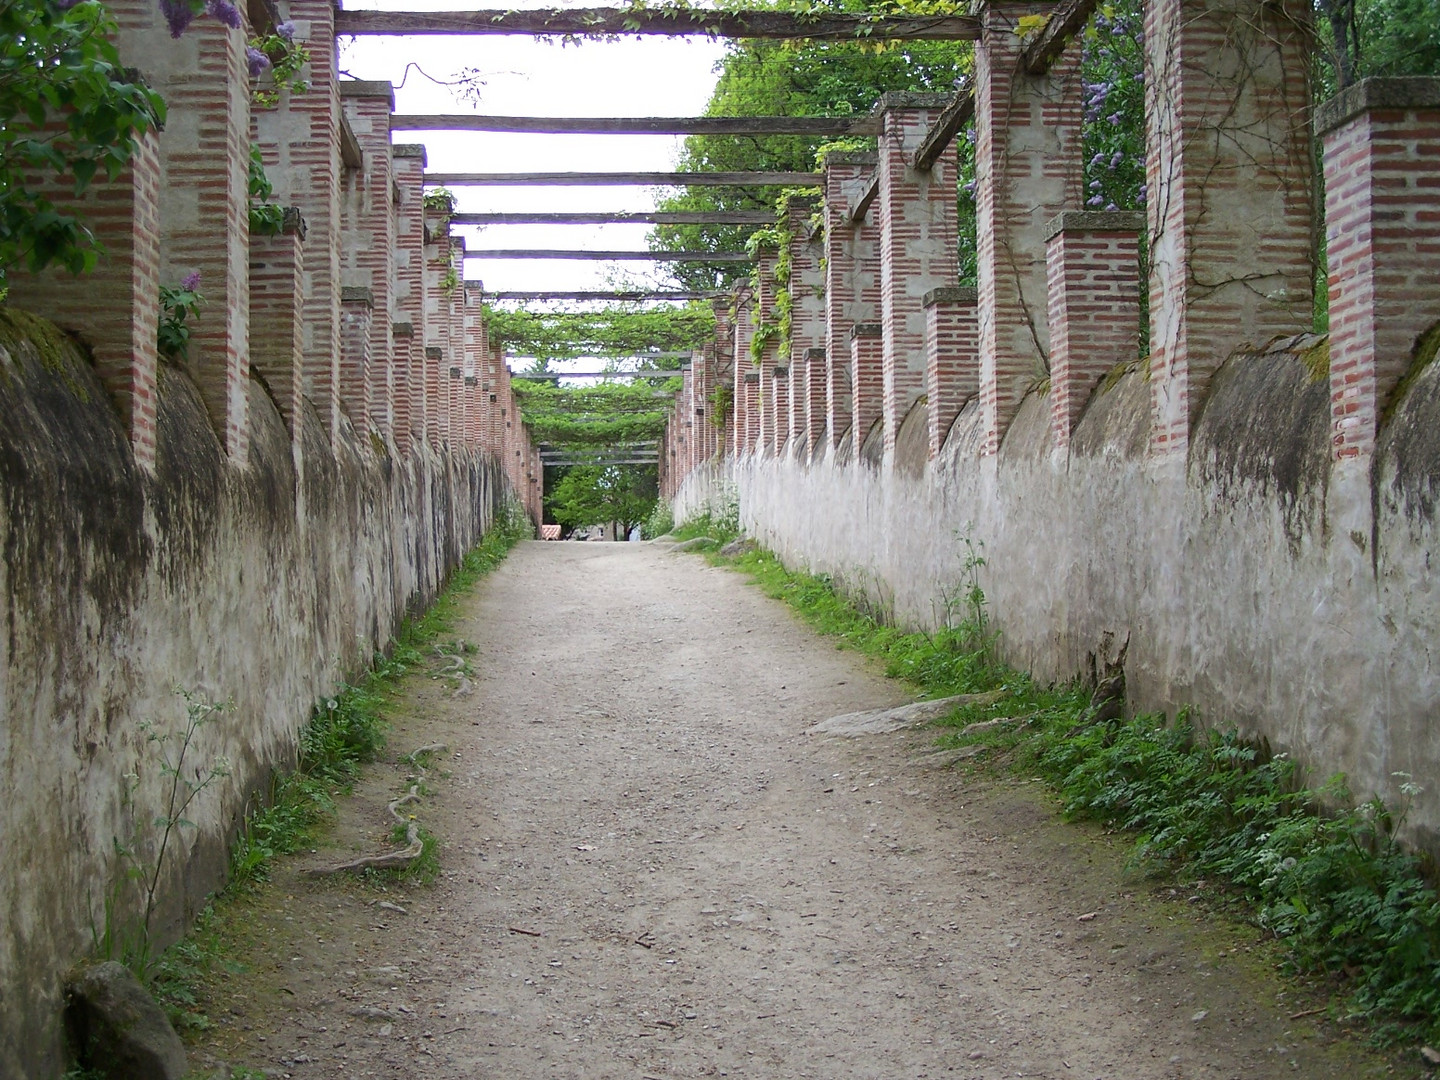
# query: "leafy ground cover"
(1356, 912)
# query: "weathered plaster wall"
(254, 585)
(1251, 582)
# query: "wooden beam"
(542, 376)
(582, 22)
(1065, 22)
(618, 294)
(649, 217)
(629, 256)
(857, 209)
(818, 126)
(633, 179)
(947, 125)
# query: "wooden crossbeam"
(623, 217)
(598, 295)
(1064, 23)
(649, 373)
(946, 126)
(860, 205)
(818, 126)
(666, 23)
(606, 256)
(561, 463)
(635, 179)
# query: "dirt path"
(649, 870)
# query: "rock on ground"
(119, 1028)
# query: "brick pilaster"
(807, 322)
(1094, 306)
(1229, 170)
(952, 358)
(409, 421)
(1382, 220)
(357, 308)
(1027, 169)
(780, 408)
(411, 287)
(852, 280)
(817, 405)
(867, 381)
(916, 216)
(115, 308)
(277, 286)
(368, 236)
(300, 141)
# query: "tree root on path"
(414, 844)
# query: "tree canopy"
(622, 330)
(622, 495)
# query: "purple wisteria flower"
(65, 5)
(1095, 200)
(225, 11)
(190, 281)
(256, 61)
(178, 15)
(285, 30)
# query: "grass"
(347, 730)
(1327, 878)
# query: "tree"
(619, 495)
(69, 111)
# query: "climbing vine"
(626, 330)
(593, 416)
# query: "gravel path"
(651, 871)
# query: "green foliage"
(61, 65)
(283, 58)
(601, 416)
(722, 403)
(769, 78)
(266, 218)
(622, 330)
(622, 495)
(177, 304)
(660, 522)
(1361, 38)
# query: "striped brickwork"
(952, 359)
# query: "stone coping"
(752, 376)
(432, 352)
(357, 294)
(410, 150)
(781, 372)
(1412, 92)
(357, 88)
(815, 354)
(950, 294)
(865, 329)
(850, 157)
(1094, 221)
(402, 329)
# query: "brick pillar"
(741, 368)
(277, 336)
(357, 308)
(704, 364)
(807, 324)
(115, 308)
(852, 280)
(1382, 219)
(300, 141)
(748, 391)
(411, 289)
(1229, 170)
(1027, 170)
(204, 221)
(368, 216)
(817, 382)
(765, 325)
(408, 421)
(952, 358)
(1094, 308)
(456, 352)
(867, 380)
(916, 216)
(477, 353)
(780, 425)
(442, 284)
(490, 388)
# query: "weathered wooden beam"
(580, 22)
(560, 464)
(617, 294)
(629, 256)
(946, 126)
(1064, 23)
(624, 217)
(648, 373)
(860, 205)
(818, 126)
(633, 179)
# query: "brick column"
(1027, 170)
(852, 280)
(115, 308)
(742, 367)
(204, 221)
(780, 425)
(817, 384)
(458, 338)
(477, 354)
(765, 324)
(300, 141)
(1382, 220)
(411, 289)
(952, 358)
(916, 216)
(807, 321)
(409, 419)
(1229, 172)
(357, 307)
(368, 220)
(867, 380)
(277, 272)
(490, 388)
(1094, 307)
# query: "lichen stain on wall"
(264, 586)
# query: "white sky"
(525, 77)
